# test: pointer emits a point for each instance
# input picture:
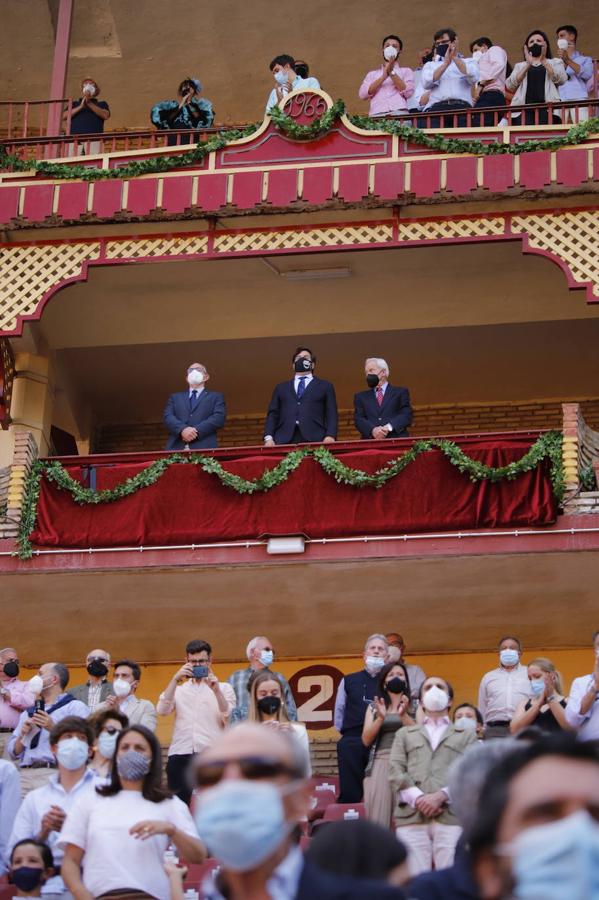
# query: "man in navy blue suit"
(302, 409)
(383, 410)
(193, 416)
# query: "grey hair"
(468, 774)
(376, 637)
(63, 673)
(381, 363)
(252, 645)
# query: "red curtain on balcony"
(188, 506)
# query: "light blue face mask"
(242, 822)
(281, 77)
(537, 686)
(72, 753)
(558, 861)
(266, 657)
(509, 657)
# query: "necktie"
(192, 399)
(301, 386)
(379, 396)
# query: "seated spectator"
(106, 724)
(202, 707)
(490, 88)
(193, 416)
(116, 836)
(287, 79)
(251, 799)
(10, 800)
(388, 712)
(189, 112)
(418, 766)
(97, 688)
(43, 811)
(535, 834)
(15, 695)
(420, 97)
(502, 688)
(383, 411)
(29, 745)
(536, 80)
(359, 849)
(267, 706)
(31, 868)
(449, 78)
(415, 674)
(389, 87)
(127, 675)
(88, 114)
(579, 70)
(547, 707)
(582, 710)
(260, 655)
(467, 717)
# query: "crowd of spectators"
(452, 797)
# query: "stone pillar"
(23, 450)
(33, 399)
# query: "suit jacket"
(316, 412)
(139, 712)
(81, 692)
(395, 410)
(414, 763)
(208, 414)
(316, 884)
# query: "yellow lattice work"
(454, 228)
(27, 272)
(314, 237)
(149, 248)
(573, 236)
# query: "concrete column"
(33, 399)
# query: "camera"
(38, 706)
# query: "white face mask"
(121, 687)
(374, 663)
(281, 77)
(476, 56)
(195, 377)
(562, 44)
(435, 699)
(465, 723)
(36, 684)
(390, 52)
(89, 88)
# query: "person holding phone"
(202, 706)
(536, 80)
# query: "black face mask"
(269, 705)
(535, 50)
(26, 878)
(372, 380)
(397, 686)
(301, 364)
(442, 50)
(97, 669)
(11, 669)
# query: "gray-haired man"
(383, 410)
(260, 656)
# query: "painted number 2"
(320, 684)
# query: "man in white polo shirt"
(582, 711)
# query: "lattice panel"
(315, 237)
(459, 228)
(28, 272)
(150, 248)
(571, 236)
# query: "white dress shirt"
(10, 800)
(500, 692)
(586, 725)
(452, 85)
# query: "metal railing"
(21, 119)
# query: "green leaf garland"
(547, 446)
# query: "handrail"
(23, 118)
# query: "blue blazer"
(395, 410)
(208, 414)
(316, 412)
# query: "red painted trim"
(60, 64)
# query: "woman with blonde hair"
(267, 707)
(546, 708)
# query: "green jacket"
(414, 763)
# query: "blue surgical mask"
(241, 822)
(281, 77)
(72, 753)
(266, 657)
(537, 686)
(558, 860)
(374, 664)
(107, 744)
(465, 723)
(509, 657)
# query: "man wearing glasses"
(97, 688)
(260, 656)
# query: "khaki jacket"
(414, 763)
(551, 91)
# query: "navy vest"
(360, 689)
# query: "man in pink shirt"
(489, 91)
(202, 707)
(15, 695)
(390, 86)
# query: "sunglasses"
(253, 768)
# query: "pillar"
(33, 399)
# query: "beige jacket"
(414, 763)
(551, 91)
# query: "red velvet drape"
(188, 506)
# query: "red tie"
(379, 396)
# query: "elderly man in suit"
(98, 687)
(383, 410)
(302, 409)
(193, 417)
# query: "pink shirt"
(198, 719)
(11, 707)
(387, 99)
(435, 728)
(492, 65)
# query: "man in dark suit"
(193, 416)
(302, 409)
(383, 410)
(97, 688)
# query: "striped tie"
(379, 396)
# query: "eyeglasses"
(253, 768)
(111, 729)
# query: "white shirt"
(35, 806)
(587, 726)
(114, 859)
(452, 85)
(199, 720)
(304, 84)
(500, 692)
(198, 389)
(283, 884)
(10, 800)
